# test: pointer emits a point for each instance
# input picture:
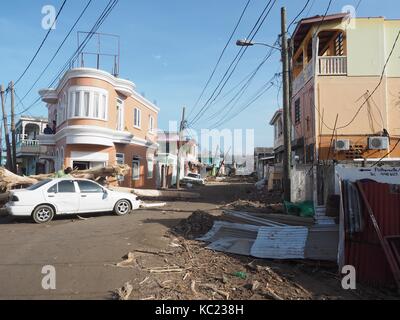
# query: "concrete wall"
(302, 185)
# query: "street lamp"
(248, 43)
(287, 155)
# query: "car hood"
(118, 194)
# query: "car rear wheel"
(43, 214)
(123, 207)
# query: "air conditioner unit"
(378, 143)
(342, 145)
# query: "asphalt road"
(83, 250)
(80, 250)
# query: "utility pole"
(287, 156)
(13, 131)
(179, 169)
(6, 133)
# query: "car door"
(64, 196)
(93, 197)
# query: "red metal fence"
(364, 250)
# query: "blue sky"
(168, 48)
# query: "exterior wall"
(305, 128)
(130, 104)
(100, 139)
(131, 151)
(379, 32)
(343, 95)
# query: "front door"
(93, 198)
(64, 196)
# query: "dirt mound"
(198, 224)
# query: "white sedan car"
(193, 178)
(48, 198)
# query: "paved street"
(83, 250)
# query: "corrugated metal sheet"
(363, 250)
(280, 243)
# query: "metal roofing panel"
(280, 243)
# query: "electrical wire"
(222, 83)
(388, 154)
(41, 45)
(221, 56)
(376, 88)
(266, 87)
(109, 7)
(298, 15)
(236, 98)
(58, 50)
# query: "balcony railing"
(332, 66)
(303, 77)
(28, 146)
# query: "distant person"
(48, 130)
(54, 127)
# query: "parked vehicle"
(193, 178)
(48, 198)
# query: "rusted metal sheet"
(364, 250)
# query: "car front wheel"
(123, 207)
(43, 214)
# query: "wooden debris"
(193, 287)
(129, 261)
(269, 293)
(255, 285)
(9, 180)
(215, 289)
(144, 281)
(166, 270)
(125, 292)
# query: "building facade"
(101, 120)
(28, 150)
(167, 158)
(345, 102)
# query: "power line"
(266, 87)
(236, 98)
(220, 57)
(299, 14)
(324, 17)
(41, 45)
(376, 88)
(58, 50)
(222, 83)
(109, 7)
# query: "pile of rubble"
(187, 271)
(198, 224)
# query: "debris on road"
(159, 194)
(144, 205)
(128, 262)
(125, 292)
(199, 223)
(9, 180)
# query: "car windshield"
(192, 175)
(38, 185)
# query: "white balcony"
(28, 147)
(332, 66)
(326, 66)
